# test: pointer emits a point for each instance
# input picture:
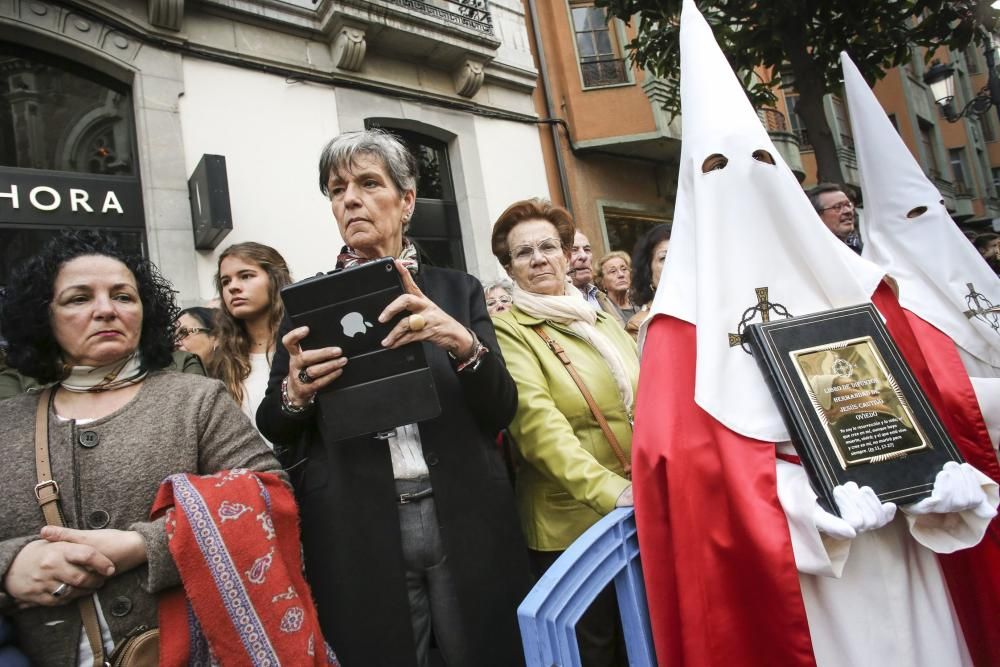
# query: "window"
(798, 126)
(972, 59)
(60, 120)
(625, 228)
(927, 144)
(995, 173)
(988, 127)
(434, 228)
(601, 63)
(957, 158)
(57, 115)
(843, 122)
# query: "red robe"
(720, 576)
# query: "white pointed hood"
(941, 276)
(745, 226)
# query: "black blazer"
(350, 525)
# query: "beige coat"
(176, 423)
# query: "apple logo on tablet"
(354, 324)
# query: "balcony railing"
(606, 72)
(773, 120)
(472, 14)
(802, 134)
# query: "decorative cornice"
(167, 14)
(348, 47)
(469, 77)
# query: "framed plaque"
(852, 405)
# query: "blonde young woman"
(249, 279)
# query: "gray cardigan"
(109, 471)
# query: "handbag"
(596, 411)
(142, 647)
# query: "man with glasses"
(836, 209)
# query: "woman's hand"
(438, 327)
(125, 548)
(319, 367)
(41, 567)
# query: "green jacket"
(570, 477)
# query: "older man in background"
(581, 272)
(836, 209)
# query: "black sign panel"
(37, 197)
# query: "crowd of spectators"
(427, 535)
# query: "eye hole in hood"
(762, 155)
(714, 162)
(916, 212)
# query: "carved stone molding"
(348, 48)
(167, 14)
(469, 77)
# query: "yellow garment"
(570, 477)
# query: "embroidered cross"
(763, 307)
(981, 308)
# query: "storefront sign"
(32, 196)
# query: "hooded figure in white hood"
(742, 566)
(942, 278)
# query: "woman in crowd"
(614, 271)
(249, 280)
(99, 324)
(647, 264)
(413, 531)
(498, 296)
(573, 471)
(196, 333)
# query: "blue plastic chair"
(548, 616)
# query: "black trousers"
(599, 630)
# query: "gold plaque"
(859, 403)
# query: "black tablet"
(380, 388)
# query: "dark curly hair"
(641, 289)
(32, 347)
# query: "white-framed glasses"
(522, 254)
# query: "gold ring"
(416, 322)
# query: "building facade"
(107, 109)
(611, 152)
(962, 158)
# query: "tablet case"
(380, 389)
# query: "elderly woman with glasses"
(197, 332)
(413, 531)
(575, 469)
(498, 296)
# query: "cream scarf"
(571, 310)
(105, 378)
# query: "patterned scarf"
(105, 378)
(349, 257)
(234, 537)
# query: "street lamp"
(940, 77)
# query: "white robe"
(879, 600)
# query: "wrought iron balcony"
(471, 14)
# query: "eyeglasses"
(505, 300)
(839, 206)
(549, 247)
(184, 332)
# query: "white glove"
(957, 488)
(625, 499)
(860, 511)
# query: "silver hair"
(503, 283)
(341, 153)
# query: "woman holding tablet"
(413, 530)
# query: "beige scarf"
(572, 311)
